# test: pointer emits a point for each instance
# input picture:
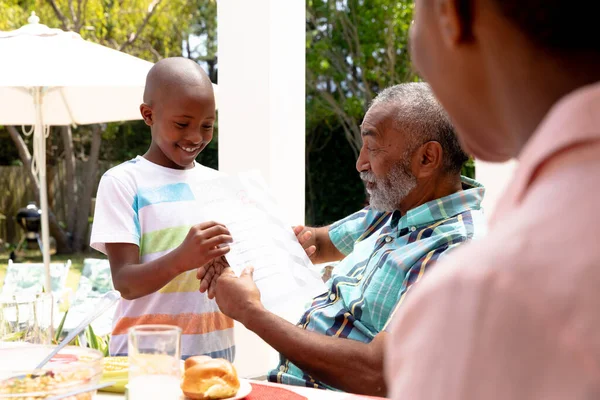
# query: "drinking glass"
(26, 318)
(154, 362)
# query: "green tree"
(355, 48)
(201, 43)
(149, 29)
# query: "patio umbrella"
(52, 77)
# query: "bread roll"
(209, 378)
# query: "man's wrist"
(251, 314)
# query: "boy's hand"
(237, 297)
(203, 243)
(209, 274)
(306, 239)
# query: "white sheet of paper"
(282, 271)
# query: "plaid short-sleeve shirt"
(385, 254)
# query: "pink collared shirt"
(516, 315)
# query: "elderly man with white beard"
(420, 209)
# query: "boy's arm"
(134, 279)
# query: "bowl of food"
(116, 369)
(72, 369)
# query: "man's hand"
(307, 240)
(237, 297)
(208, 275)
(203, 243)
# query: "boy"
(144, 210)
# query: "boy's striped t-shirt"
(154, 207)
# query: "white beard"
(389, 192)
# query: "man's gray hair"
(419, 111)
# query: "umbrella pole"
(39, 140)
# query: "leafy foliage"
(355, 48)
(100, 343)
(149, 29)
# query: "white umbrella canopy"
(84, 82)
(52, 77)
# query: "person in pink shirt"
(515, 315)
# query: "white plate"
(243, 391)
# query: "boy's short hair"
(555, 25)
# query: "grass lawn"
(74, 271)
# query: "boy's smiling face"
(179, 108)
(182, 119)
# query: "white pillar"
(494, 177)
(262, 49)
(261, 116)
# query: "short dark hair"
(419, 109)
(554, 25)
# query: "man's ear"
(146, 112)
(428, 160)
(455, 20)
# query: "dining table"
(263, 390)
